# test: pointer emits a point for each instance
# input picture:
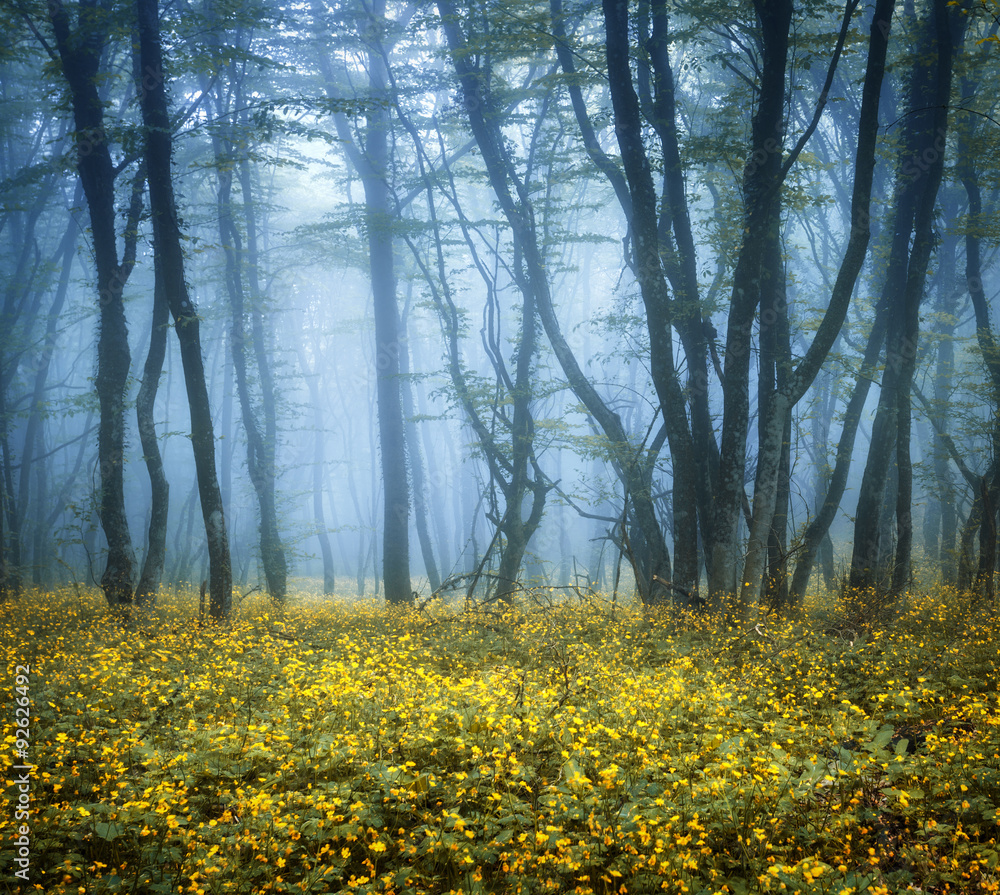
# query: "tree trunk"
(80, 54)
(156, 543)
(271, 547)
(990, 486)
(436, 475)
(311, 377)
(260, 449)
(761, 189)
(420, 507)
(680, 257)
(761, 192)
(818, 530)
(33, 431)
(372, 163)
(655, 296)
(167, 244)
(918, 181)
(326, 551)
(940, 524)
(774, 368)
(985, 584)
(226, 436)
(515, 473)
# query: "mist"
(688, 304)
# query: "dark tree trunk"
(752, 275)
(156, 540)
(379, 225)
(80, 54)
(260, 448)
(820, 436)
(919, 177)
(655, 296)
(762, 196)
(775, 361)
(167, 244)
(396, 507)
(985, 575)
(677, 248)
(776, 581)
(702, 463)
(271, 547)
(817, 532)
(372, 163)
(989, 496)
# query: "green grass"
(584, 748)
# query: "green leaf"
(108, 831)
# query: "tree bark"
(515, 471)
(156, 541)
(761, 189)
(918, 181)
(677, 244)
(656, 300)
(990, 485)
(80, 52)
(372, 164)
(818, 530)
(779, 405)
(271, 547)
(260, 447)
(167, 244)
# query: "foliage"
(586, 748)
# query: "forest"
(389, 297)
(505, 446)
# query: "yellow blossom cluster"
(589, 748)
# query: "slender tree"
(918, 179)
(156, 539)
(81, 45)
(371, 160)
(248, 349)
(167, 244)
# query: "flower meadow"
(574, 747)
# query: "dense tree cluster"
(559, 288)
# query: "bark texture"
(167, 244)
(80, 49)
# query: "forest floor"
(583, 747)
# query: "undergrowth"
(580, 748)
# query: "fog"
(683, 303)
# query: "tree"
(170, 265)
(243, 287)
(80, 47)
(372, 162)
(918, 178)
(156, 540)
